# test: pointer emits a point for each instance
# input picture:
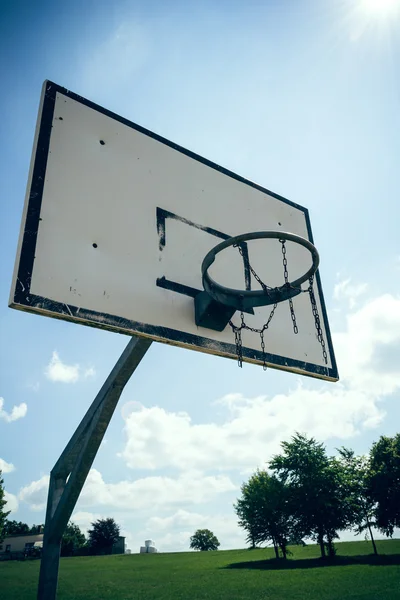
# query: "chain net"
(238, 329)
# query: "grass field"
(232, 574)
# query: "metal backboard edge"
(22, 299)
(329, 343)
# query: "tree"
(203, 540)
(263, 511)
(20, 528)
(72, 540)
(246, 510)
(384, 482)
(103, 535)
(359, 504)
(15, 528)
(3, 513)
(316, 492)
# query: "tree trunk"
(372, 537)
(331, 547)
(283, 547)
(321, 545)
(275, 548)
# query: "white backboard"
(117, 221)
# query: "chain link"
(238, 342)
(285, 270)
(317, 320)
(237, 330)
(238, 336)
(286, 276)
(264, 286)
(263, 350)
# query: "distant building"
(21, 543)
(119, 547)
(148, 548)
(26, 543)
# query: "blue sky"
(299, 96)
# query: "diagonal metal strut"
(70, 471)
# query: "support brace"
(70, 471)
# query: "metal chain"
(237, 330)
(286, 276)
(238, 342)
(264, 286)
(293, 317)
(263, 350)
(265, 327)
(317, 320)
(285, 271)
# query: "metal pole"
(70, 471)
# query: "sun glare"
(381, 8)
(372, 19)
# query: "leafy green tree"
(3, 513)
(103, 535)
(316, 491)
(263, 511)
(384, 482)
(72, 540)
(360, 506)
(20, 528)
(246, 510)
(204, 540)
(15, 528)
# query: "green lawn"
(233, 574)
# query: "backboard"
(117, 221)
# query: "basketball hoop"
(245, 299)
(215, 307)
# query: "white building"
(18, 543)
(148, 548)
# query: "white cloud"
(345, 290)
(369, 348)
(35, 494)
(172, 533)
(252, 432)
(180, 519)
(153, 491)
(6, 467)
(89, 373)
(85, 519)
(254, 427)
(56, 370)
(189, 488)
(172, 541)
(11, 502)
(17, 412)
